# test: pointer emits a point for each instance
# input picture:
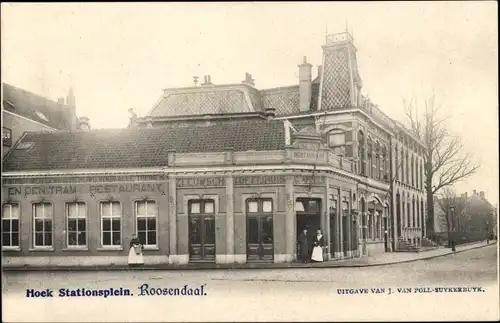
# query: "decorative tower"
(340, 81)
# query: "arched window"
(422, 174)
(385, 164)
(407, 164)
(396, 166)
(412, 173)
(369, 168)
(361, 152)
(413, 212)
(377, 161)
(336, 141)
(398, 213)
(402, 165)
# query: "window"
(361, 152)
(42, 229)
(336, 138)
(7, 137)
(41, 116)
(76, 224)
(145, 214)
(111, 213)
(260, 206)
(336, 141)
(10, 225)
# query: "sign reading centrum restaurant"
(92, 189)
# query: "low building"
(469, 217)
(223, 173)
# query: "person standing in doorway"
(318, 243)
(135, 253)
(303, 246)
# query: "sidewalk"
(382, 259)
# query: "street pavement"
(296, 294)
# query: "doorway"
(260, 233)
(201, 231)
(308, 214)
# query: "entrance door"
(201, 231)
(260, 235)
(308, 214)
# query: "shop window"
(111, 214)
(76, 230)
(6, 137)
(10, 225)
(42, 228)
(146, 215)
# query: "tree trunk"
(430, 209)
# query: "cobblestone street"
(268, 294)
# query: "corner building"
(221, 173)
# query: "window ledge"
(11, 248)
(110, 249)
(151, 248)
(76, 249)
(42, 249)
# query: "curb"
(234, 267)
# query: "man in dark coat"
(304, 246)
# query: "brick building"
(24, 111)
(473, 217)
(223, 173)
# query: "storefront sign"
(42, 190)
(259, 180)
(308, 155)
(85, 179)
(200, 181)
(318, 180)
(121, 188)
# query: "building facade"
(223, 173)
(470, 217)
(24, 111)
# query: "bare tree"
(453, 207)
(445, 162)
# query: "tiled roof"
(286, 100)
(207, 100)
(147, 147)
(34, 107)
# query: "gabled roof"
(34, 107)
(143, 147)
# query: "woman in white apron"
(135, 254)
(318, 243)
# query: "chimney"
(305, 85)
(207, 80)
(84, 124)
(248, 79)
(133, 118)
(71, 106)
(482, 195)
(270, 113)
(320, 71)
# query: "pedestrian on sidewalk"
(303, 246)
(135, 257)
(318, 243)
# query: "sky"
(118, 56)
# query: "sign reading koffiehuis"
(259, 180)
